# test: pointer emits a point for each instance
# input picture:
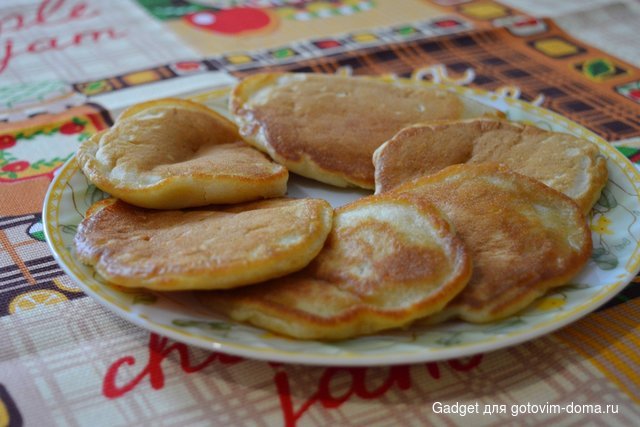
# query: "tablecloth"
(68, 67)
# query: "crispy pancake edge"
(249, 305)
(177, 192)
(509, 307)
(291, 260)
(585, 201)
(254, 132)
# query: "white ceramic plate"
(615, 261)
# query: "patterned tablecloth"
(68, 67)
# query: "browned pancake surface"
(569, 164)
(173, 154)
(206, 248)
(387, 261)
(524, 237)
(327, 127)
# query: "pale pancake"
(172, 153)
(326, 127)
(387, 261)
(524, 237)
(571, 165)
(204, 248)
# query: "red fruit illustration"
(71, 128)
(232, 21)
(18, 166)
(188, 66)
(7, 141)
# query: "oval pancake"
(204, 248)
(569, 164)
(326, 127)
(387, 261)
(172, 153)
(524, 237)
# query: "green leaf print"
(605, 260)
(93, 194)
(607, 199)
(186, 323)
(68, 229)
(144, 298)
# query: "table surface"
(68, 68)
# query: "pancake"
(172, 153)
(387, 261)
(326, 127)
(204, 248)
(524, 237)
(569, 164)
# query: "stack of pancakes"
(474, 217)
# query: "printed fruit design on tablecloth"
(7, 141)
(234, 21)
(36, 230)
(630, 90)
(248, 17)
(203, 12)
(39, 150)
(35, 299)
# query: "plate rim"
(346, 357)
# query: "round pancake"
(326, 127)
(524, 237)
(387, 261)
(204, 248)
(571, 165)
(172, 153)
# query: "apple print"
(7, 141)
(71, 128)
(18, 166)
(233, 21)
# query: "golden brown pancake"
(204, 248)
(172, 153)
(387, 261)
(524, 237)
(326, 127)
(571, 165)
